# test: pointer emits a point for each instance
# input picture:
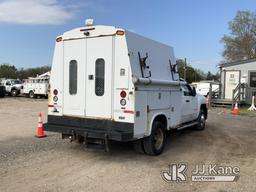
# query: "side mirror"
(193, 91)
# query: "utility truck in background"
(36, 86)
(203, 87)
(12, 86)
(108, 83)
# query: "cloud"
(37, 12)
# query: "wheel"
(201, 121)
(14, 93)
(80, 139)
(138, 146)
(31, 94)
(155, 143)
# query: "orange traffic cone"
(40, 129)
(236, 110)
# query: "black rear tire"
(31, 94)
(201, 121)
(155, 143)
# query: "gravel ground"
(52, 164)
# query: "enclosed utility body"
(112, 84)
(35, 86)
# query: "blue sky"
(194, 28)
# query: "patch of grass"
(244, 111)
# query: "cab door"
(8, 86)
(99, 77)
(74, 77)
(189, 107)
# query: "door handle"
(90, 77)
(187, 101)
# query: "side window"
(73, 77)
(187, 90)
(252, 79)
(99, 77)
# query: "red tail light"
(123, 94)
(55, 92)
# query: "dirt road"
(52, 164)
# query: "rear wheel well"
(162, 119)
(204, 108)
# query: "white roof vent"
(89, 22)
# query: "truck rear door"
(88, 77)
(99, 77)
(74, 77)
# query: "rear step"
(187, 125)
(88, 141)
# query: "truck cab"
(12, 86)
(108, 83)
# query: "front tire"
(14, 93)
(155, 143)
(201, 121)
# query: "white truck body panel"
(108, 64)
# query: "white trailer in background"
(203, 87)
(36, 86)
(108, 83)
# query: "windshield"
(16, 82)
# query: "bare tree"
(241, 43)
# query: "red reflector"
(50, 106)
(55, 92)
(123, 94)
(128, 111)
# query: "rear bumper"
(92, 128)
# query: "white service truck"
(36, 86)
(12, 86)
(203, 87)
(108, 83)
